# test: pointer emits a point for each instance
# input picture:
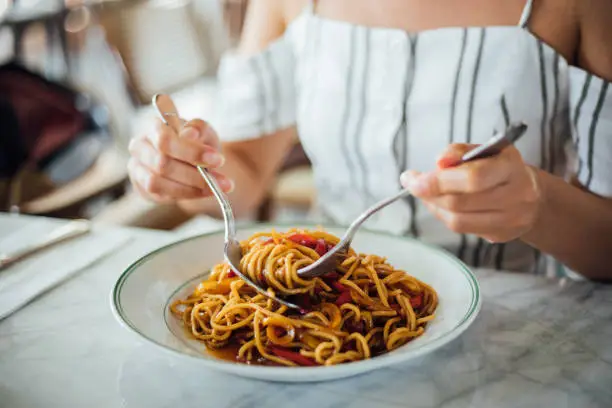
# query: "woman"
(376, 90)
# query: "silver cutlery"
(330, 260)
(64, 233)
(233, 253)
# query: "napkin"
(24, 281)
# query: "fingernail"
(227, 185)
(209, 134)
(407, 177)
(415, 182)
(189, 133)
(213, 159)
(446, 161)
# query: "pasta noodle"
(362, 309)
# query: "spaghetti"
(362, 309)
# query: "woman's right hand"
(162, 164)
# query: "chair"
(185, 78)
(160, 44)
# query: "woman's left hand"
(496, 198)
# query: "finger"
(155, 185)
(408, 178)
(184, 149)
(478, 223)
(493, 199)
(166, 107)
(141, 192)
(164, 166)
(200, 131)
(152, 197)
(472, 177)
(452, 155)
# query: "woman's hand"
(161, 166)
(496, 198)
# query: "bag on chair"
(46, 129)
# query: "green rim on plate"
(474, 286)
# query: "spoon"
(232, 252)
(330, 260)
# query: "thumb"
(201, 132)
(451, 156)
(408, 178)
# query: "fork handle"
(496, 144)
(168, 114)
(355, 225)
(491, 148)
(226, 209)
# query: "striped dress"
(370, 103)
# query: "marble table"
(536, 343)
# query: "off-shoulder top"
(370, 103)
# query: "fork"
(232, 252)
(330, 260)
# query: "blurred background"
(76, 81)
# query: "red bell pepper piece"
(339, 287)
(345, 297)
(330, 278)
(292, 356)
(416, 301)
(303, 239)
(321, 247)
(231, 274)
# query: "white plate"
(142, 293)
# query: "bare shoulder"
(595, 48)
(556, 22)
(293, 8)
(580, 30)
(266, 20)
(264, 23)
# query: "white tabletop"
(536, 343)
